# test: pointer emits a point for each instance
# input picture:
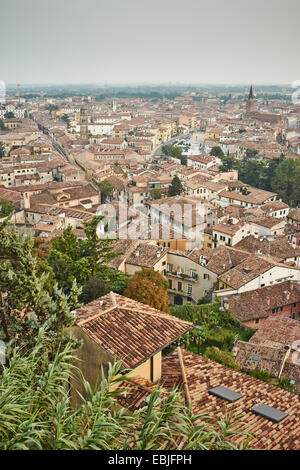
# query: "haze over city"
(136, 41)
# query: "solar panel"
(225, 393)
(269, 412)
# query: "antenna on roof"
(113, 299)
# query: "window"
(190, 289)
(206, 276)
(256, 320)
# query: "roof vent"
(225, 393)
(113, 299)
(269, 412)
(100, 302)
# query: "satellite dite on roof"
(269, 412)
(225, 393)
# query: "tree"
(217, 152)
(9, 115)
(6, 208)
(165, 149)
(93, 289)
(106, 189)
(2, 150)
(2, 126)
(25, 300)
(176, 187)
(251, 154)
(222, 357)
(36, 414)
(149, 287)
(66, 119)
(175, 151)
(52, 107)
(72, 259)
(156, 193)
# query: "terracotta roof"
(280, 330)
(203, 374)
(221, 259)
(146, 255)
(256, 303)
(129, 330)
(277, 247)
(294, 214)
(255, 195)
(247, 270)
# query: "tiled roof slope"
(281, 330)
(249, 269)
(203, 374)
(256, 303)
(129, 330)
(278, 247)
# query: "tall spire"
(250, 102)
(251, 93)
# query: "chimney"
(113, 299)
(26, 201)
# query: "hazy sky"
(130, 41)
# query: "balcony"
(182, 292)
(184, 277)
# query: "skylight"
(225, 393)
(269, 412)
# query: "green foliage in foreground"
(35, 411)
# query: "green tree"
(165, 149)
(2, 150)
(2, 126)
(94, 288)
(6, 208)
(25, 300)
(106, 189)
(9, 115)
(217, 152)
(72, 259)
(175, 151)
(176, 187)
(251, 154)
(66, 119)
(149, 287)
(222, 357)
(156, 193)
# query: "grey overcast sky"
(150, 41)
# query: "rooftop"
(129, 330)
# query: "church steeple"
(251, 93)
(250, 103)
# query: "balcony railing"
(183, 276)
